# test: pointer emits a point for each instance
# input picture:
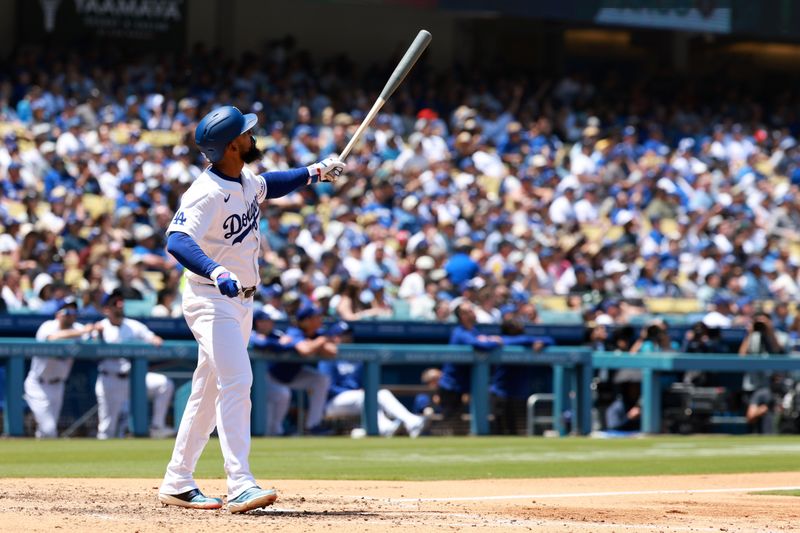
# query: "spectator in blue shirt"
(461, 267)
(454, 385)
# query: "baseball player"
(113, 386)
(346, 396)
(44, 385)
(215, 236)
(308, 340)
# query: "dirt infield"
(669, 503)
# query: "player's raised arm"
(281, 183)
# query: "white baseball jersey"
(222, 217)
(50, 368)
(129, 331)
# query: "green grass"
(406, 459)
(777, 493)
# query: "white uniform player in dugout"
(44, 385)
(113, 375)
(215, 236)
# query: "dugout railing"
(572, 375)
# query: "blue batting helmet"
(220, 127)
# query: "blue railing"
(653, 365)
(363, 331)
(572, 372)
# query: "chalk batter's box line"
(583, 494)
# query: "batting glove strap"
(313, 174)
(327, 170)
(216, 272)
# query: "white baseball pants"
(45, 401)
(113, 406)
(279, 397)
(220, 390)
(351, 403)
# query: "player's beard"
(253, 154)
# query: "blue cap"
(307, 311)
(273, 290)
(260, 315)
(520, 296)
(69, 301)
(376, 284)
(444, 296)
(55, 268)
(721, 300)
(220, 127)
(670, 264)
(508, 308)
(768, 266)
(303, 130)
(608, 304)
(510, 269)
(14, 164)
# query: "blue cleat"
(252, 498)
(193, 499)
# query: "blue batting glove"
(227, 283)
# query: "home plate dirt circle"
(665, 503)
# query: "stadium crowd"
(488, 187)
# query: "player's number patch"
(179, 219)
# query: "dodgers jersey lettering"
(222, 217)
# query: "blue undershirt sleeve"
(283, 182)
(188, 253)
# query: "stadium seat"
(560, 317)
(401, 310)
(156, 279)
(551, 303)
(673, 305)
(97, 205)
(139, 307)
(15, 209)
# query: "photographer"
(654, 338)
(763, 339)
(701, 339)
(625, 412)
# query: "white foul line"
(588, 494)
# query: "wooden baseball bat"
(400, 72)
